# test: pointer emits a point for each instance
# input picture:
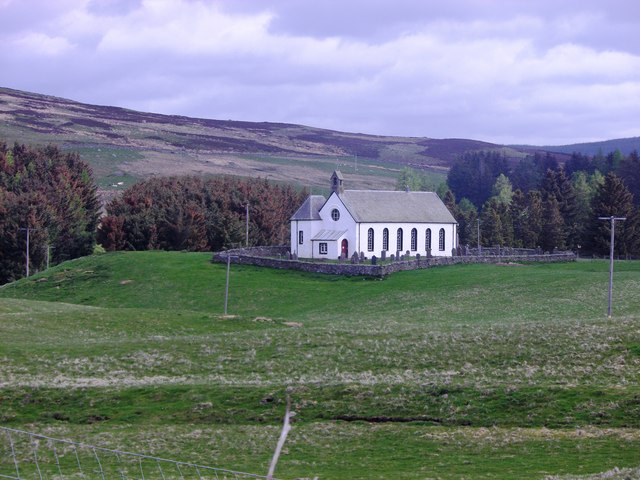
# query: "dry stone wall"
(279, 257)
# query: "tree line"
(533, 203)
(199, 214)
(538, 203)
(50, 194)
(53, 194)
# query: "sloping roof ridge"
(306, 211)
(395, 206)
(392, 191)
(338, 196)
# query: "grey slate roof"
(310, 209)
(328, 235)
(396, 206)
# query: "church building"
(372, 222)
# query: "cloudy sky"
(518, 71)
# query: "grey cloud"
(509, 71)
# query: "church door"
(345, 248)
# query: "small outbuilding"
(372, 222)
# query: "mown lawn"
(473, 371)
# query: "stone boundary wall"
(266, 257)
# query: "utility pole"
(479, 247)
(612, 219)
(28, 230)
(226, 288)
(247, 236)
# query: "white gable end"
(372, 222)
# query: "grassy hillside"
(456, 372)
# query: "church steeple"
(337, 182)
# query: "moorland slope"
(123, 145)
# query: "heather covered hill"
(123, 145)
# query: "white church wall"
(393, 246)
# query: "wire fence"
(26, 455)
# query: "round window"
(335, 214)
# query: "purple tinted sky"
(539, 72)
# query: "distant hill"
(124, 145)
(625, 145)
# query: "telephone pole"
(247, 233)
(613, 220)
(28, 230)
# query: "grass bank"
(479, 371)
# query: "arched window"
(414, 239)
(427, 240)
(370, 239)
(300, 237)
(385, 239)
(399, 240)
(441, 240)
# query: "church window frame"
(370, 239)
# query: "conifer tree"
(473, 175)
(467, 222)
(614, 199)
(568, 208)
(532, 234)
(450, 202)
(556, 184)
(599, 162)
(491, 224)
(583, 194)
(549, 186)
(579, 163)
(526, 175)
(497, 226)
(520, 216)
(629, 171)
(553, 229)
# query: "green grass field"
(475, 371)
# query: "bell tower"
(337, 182)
